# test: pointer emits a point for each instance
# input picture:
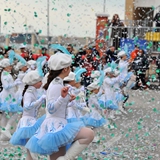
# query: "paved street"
(135, 136)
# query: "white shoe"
(118, 112)
(73, 151)
(111, 115)
(123, 111)
(110, 126)
(6, 133)
(4, 137)
(96, 139)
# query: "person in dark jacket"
(111, 54)
(157, 20)
(87, 58)
(117, 30)
(140, 65)
(158, 68)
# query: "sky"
(67, 17)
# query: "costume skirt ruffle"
(50, 137)
(7, 107)
(22, 134)
(94, 119)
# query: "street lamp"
(104, 6)
(48, 23)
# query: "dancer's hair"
(24, 91)
(52, 74)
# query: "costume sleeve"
(7, 81)
(112, 81)
(54, 98)
(29, 103)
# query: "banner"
(141, 43)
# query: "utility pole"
(104, 6)
(48, 23)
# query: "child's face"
(8, 68)
(77, 85)
(96, 90)
(24, 69)
(38, 85)
(72, 83)
(124, 57)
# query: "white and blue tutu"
(126, 79)
(94, 119)
(8, 107)
(73, 114)
(26, 128)
(54, 133)
(110, 105)
(119, 97)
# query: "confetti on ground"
(134, 136)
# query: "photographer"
(140, 65)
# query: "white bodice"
(9, 89)
(55, 104)
(31, 102)
(123, 67)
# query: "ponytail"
(52, 75)
(1, 88)
(24, 91)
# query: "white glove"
(133, 78)
(17, 82)
(43, 63)
(42, 98)
(86, 109)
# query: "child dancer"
(110, 96)
(22, 68)
(127, 79)
(94, 118)
(8, 99)
(76, 107)
(28, 124)
(55, 133)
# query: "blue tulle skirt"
(102, 104)
(71, 120)
(94, 122)
(7, 107)
(119, 97)
(110, 105)
(126, 79)
(21, 136)
(51, 142)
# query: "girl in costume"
(29, 124)
(94, 118)
(8, 103)
(22, 68)
(55, 133)
(76, 107)
(127, 79)
(110, 96)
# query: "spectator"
(23, 53)
(140, 65)
(1, 53)
(70, 50)
(6, 50)
(134, 53)
(157, 20)
(116, 34)
(111, 54)
(78, 58)
(103, 62)
(44, 52)
(90, 63)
